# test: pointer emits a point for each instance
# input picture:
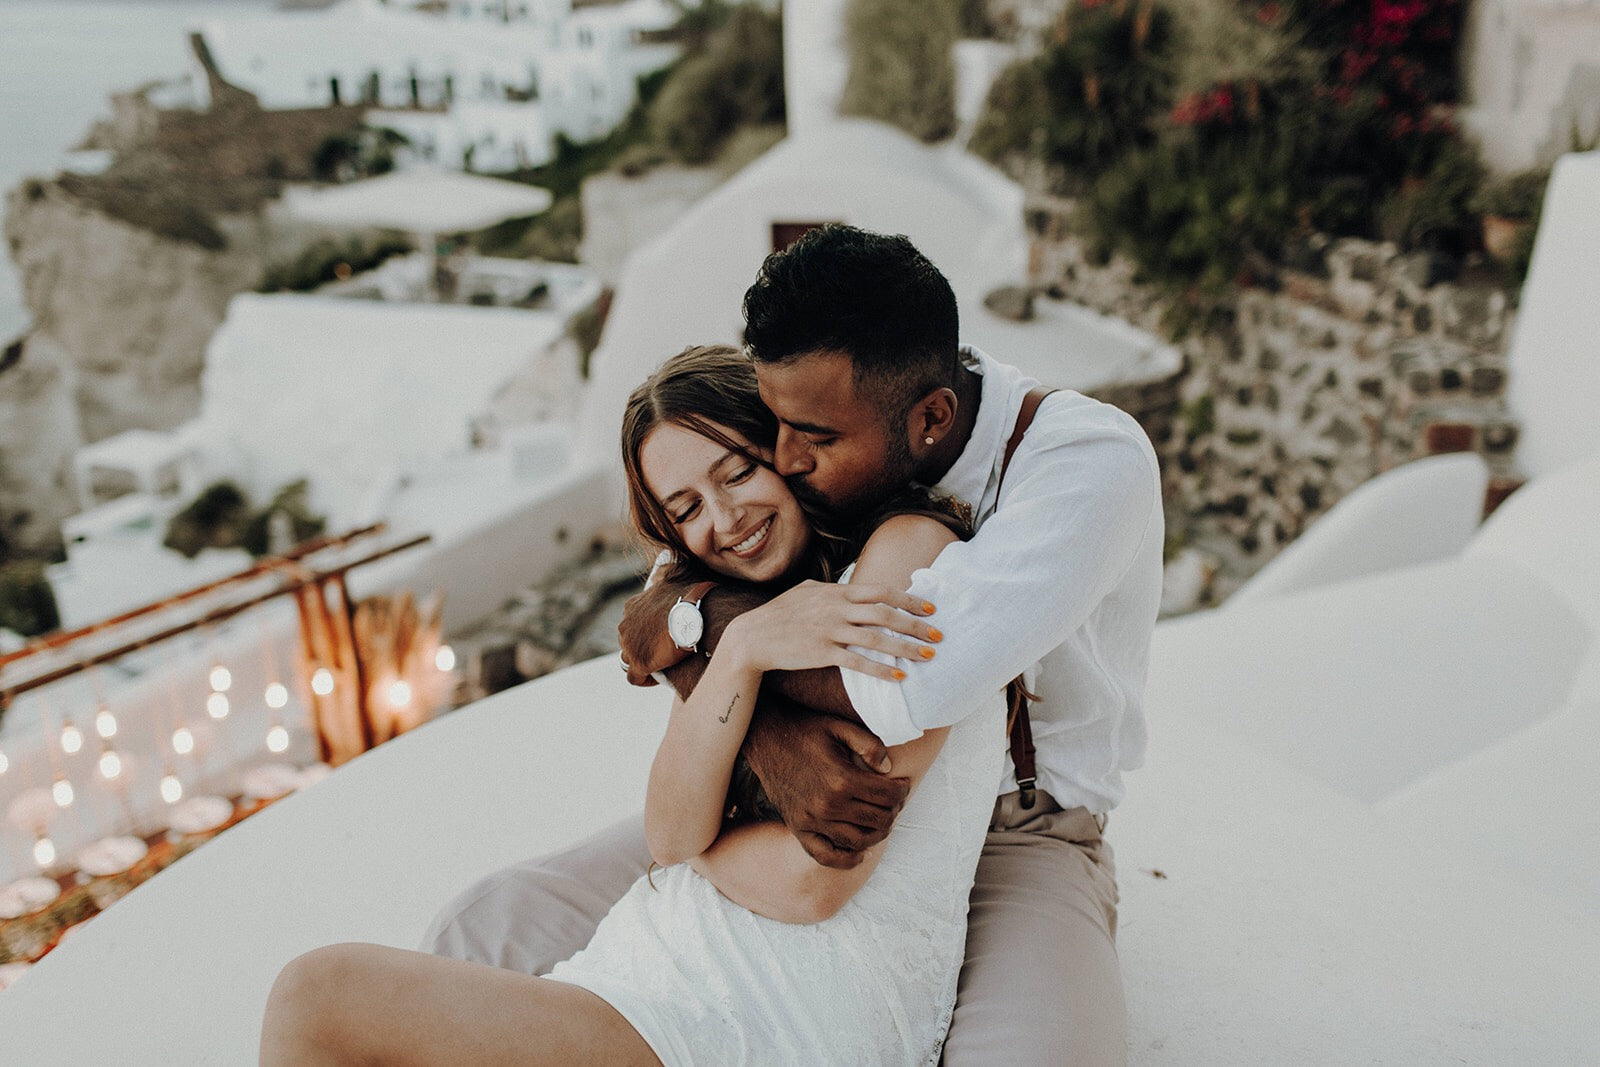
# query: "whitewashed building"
(964, 214)
(483, 87)
(1532, 70)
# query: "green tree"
(735, 80)
(901, 70)
(27, 604)
(215, 519)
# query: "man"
(854, 337)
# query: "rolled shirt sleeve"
(1076, 507)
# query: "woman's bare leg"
(355, 1003)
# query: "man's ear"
(932, 417)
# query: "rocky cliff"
(128, 273)
(122, 317)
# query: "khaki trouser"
(1041, 983)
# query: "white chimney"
(814, 62)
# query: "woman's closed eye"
(683, 515)
(743, 473)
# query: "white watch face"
(684, 624)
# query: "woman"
(743, 949)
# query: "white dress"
(705, 981)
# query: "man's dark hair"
(869, 295)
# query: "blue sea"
(59, 62)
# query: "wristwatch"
(685, 624)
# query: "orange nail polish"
(899, 675)
(925, 652)
(927, 608)
(935, 634)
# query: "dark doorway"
(785, 234)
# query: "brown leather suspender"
(1021, 728)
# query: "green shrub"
(587, 326)
(1090, 98)
(901, 70)
(328, 259)
(553, 235)
(364, 152)
(1211, 134)
(1434, 211)
(217, 518)
(27, 604)
(302, 525)
(1513, 196)
(735, 80)
(1015, 116)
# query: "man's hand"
(828, 778)
(642, 633)
(812, 626)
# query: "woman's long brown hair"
(703, 388)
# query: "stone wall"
(1301, 387)
(569, 617)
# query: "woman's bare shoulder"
(901, 544)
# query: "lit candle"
(44, 852)
(105, 723)
(445, 658)
(400, 693)
(198, 815)
(183, 740)
(270, 781)
(111, 855)
(322, 682)
(217, 706)
(62, 791)
(221, 678)
(277, 738)
(71, 737)
(110, 764)
(107, 863)
(27, 895)
(171, 788)
(277, 695)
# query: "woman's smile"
(747, 548)
(730, 509)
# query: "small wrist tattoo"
(729, 712)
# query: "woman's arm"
(793, 631)
(689, 777)
(762, 866)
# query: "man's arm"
(827, 775)
(855, 615)
(647, 649)
(765, 868)
(1082, 503)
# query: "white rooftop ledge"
(1290, 921)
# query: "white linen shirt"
(1060, 584)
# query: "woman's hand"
(815, 623)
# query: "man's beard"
(892, 477)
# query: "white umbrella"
(426, 201)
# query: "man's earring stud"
(927, 440)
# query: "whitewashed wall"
(1532, 67)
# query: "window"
(785, 234)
